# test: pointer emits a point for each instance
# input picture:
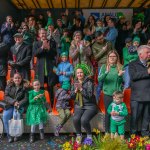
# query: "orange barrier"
(8, 75)
(35, 60)
(70, 60)
(32, 75)
(47, 96)
(1, 98)
(101, 103)
(126, 100)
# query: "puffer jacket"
(63, 98)
(12, 94)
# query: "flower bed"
(105, 142)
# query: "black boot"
(31, 137)
(10, 139)
(42, 134)
(16, 139)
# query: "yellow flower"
(140, 144)
(66, 145)
(97, 131)
(85, 146)
(94, 130)
(79, 148)
(141, 139)
(133, 136)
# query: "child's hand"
(64, 73)
(76, 90)
(40, 95)
(121, 73)
(36, 97)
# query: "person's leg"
(126, 78)
(32, 134)
(7, 115)
(136, 109)
(77, 119)
(107, 101)
(62, 117)
(68, 114)
(121, 131)
(113, 129)
(41, 129)
(145, 120)
(85, 120)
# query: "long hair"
(119, 66)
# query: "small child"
(64, 69)
(62, 105)
(129, 54)
(65, 41)
(36, 112)
(100, 26)
(118, 110)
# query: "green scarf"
(79, 98)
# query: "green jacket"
(65, 45)
(100, 53)
(28, 39)
(111, 81)
(127, 57)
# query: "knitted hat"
(136, 39)
(64, 54)
(87, 38)
(120, 15)
(66, 85)
(50, 23)
(86, 69)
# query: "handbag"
(4, 105)
(16, 127)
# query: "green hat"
(120, 15)
(86, 69)
(64, 54)
(136, 39)
(87, 38)
(50, 24)
(66, 85)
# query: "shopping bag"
(16, 127)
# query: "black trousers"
(140, 109)
(2, 83)
(82, 117)
(107, 101)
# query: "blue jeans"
(99, 86)
(126, 77)
(8, 115)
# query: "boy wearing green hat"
(62, 105)
(64, 69)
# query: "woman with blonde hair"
(111, 76)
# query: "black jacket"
(12, 94)
(3, 58)
(89, 100)
(23, 58)
(47, 56)
(140, 81)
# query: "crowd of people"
(84, 58)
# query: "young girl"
(36, 112)
(118, 110)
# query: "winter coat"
(63, 98)
(3, 58)
(12, 94)
(89, 101)
(67, 68)
(80, 53)
(23, 58)
(47, 56)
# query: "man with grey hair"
(139, 71)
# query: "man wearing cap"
(21, 54)
(64, 69)
(4, 48)
(100, 50)
(45, 51)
